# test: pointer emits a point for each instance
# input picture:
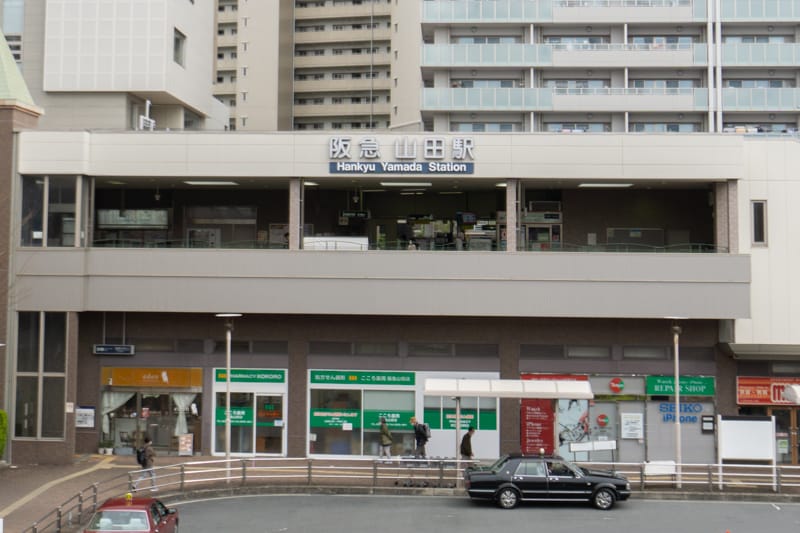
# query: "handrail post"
(94, 497)
(641, 476)
(130, 481)
(80, 506)
(710, 478)
(441, 472)
(244, 471)
(58, 519)
(309, 471)
(183, 477)
(778, 480)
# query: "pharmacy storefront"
(345, 408)
(258, 411)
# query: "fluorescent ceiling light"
(310, 183)
(605, 185)
(211, 183)
(413, 190)
(451, 192)
(502, 185)
(112, 182)
(405, 184)
(373, 190)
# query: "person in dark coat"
(466, 445)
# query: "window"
(759, 212)
(41, 375)
(59, 213)
(179, 47)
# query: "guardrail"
(443, 473)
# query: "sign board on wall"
(690, 385)
(84, 417)
(347, 377)
(538, 418)
(763, 390)
(632, 425)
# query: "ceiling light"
(112, 182)
(405, 184)
(211, 183)
(451, 192)
(373, 190)
(310, 183)
(413, 190)
(502, 185)
(605, 185)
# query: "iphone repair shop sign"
(429, 155)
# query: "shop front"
(162, 403)
(631, 419)
(346, 407)
(765, 396)
(258, 411)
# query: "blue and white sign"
(114, 349)
(429, 155)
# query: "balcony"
(340, 110)
(548, 99)
(760, 99)
(345, 36)
(583, 285)
(343, 11)
(760, 10)
(346, 85)
(562, 11)
(341, 60)
(564, 55)
(749, 55)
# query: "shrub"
(3, 431)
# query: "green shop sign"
(335, 418)
(394, 419)
(346, 377)
(690, 385)
(251, 375)
(240, 416)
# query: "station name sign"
(429, 155)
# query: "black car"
(514, 478)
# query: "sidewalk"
(28, 492)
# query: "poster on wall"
(537, 421)
(632, 425)
(550, 425)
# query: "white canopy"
(510, 388)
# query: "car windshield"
(113, 520)
(495, 466)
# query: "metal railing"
(276, 474)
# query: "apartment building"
(471, 237)
(104, 65)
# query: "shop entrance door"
(269, 424)
(785, 434)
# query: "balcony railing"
(756, 54)
(545, 99)
(535, 10)
(760, 99)
(357, 243)
(527, 55)
(773, 10)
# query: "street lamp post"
(676, 333)
(228, 333)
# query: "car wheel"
(507, 498)
(604, 499)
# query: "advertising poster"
(537, 423)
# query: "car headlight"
(628, 486)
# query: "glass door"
(269, 424)
(785, 434)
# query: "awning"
(510, 388)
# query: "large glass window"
(335, 422)
(40, 375)
(60, 215)
(242, 413)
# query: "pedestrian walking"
(421, 436)
(146, 458)
(466, 445)
(386, 440)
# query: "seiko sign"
(430, 155)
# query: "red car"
(134, 514)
